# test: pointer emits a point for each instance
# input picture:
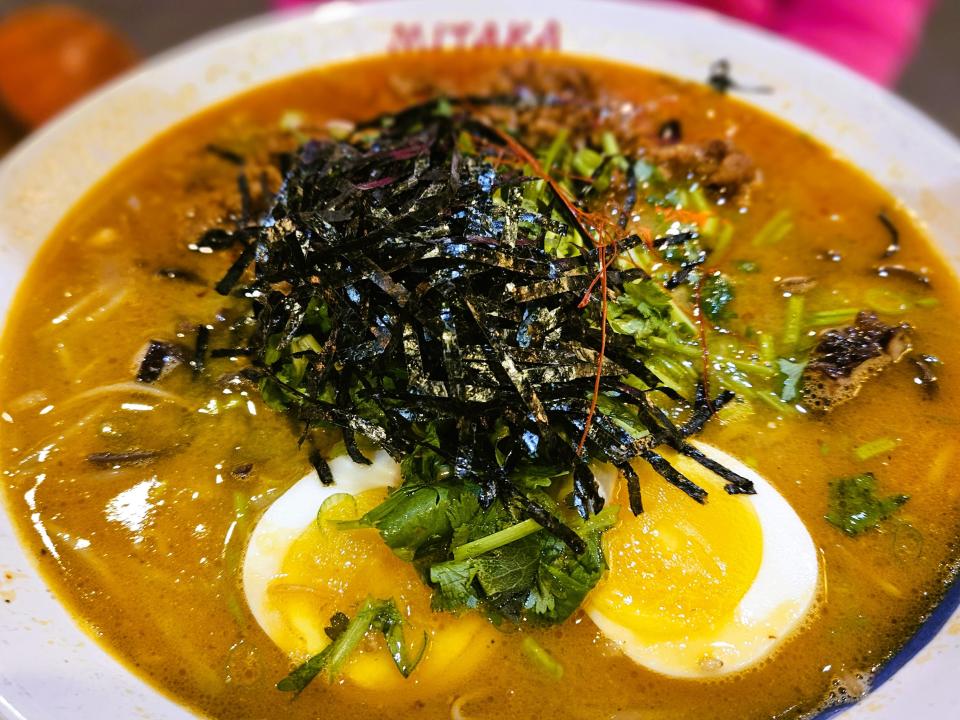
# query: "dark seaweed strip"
(550, 523)
(893, 247)
(200, 350)
(232, 276)
(736, 484)
(350, 443)
(225, 154)
(665, 241)
(703, 410)
(493, 135)
(586, 492)
(619, 351)
(888, 270)
(633, 487)
(122, 459)
(320, 464)
(674, 476)
(629, 202)
(681, 275)
(506, 362)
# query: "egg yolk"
(327, 570)
(678, 570)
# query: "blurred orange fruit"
(51, 55)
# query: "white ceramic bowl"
(50, 669)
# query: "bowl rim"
(897, 113)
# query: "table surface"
(931, 82)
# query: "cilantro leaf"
(413, 517)
(536, 575)
(453, 583)
(379, 615)
(563, 578)
(511, 569)
(716, 294)
(855, 507)
(791, 373)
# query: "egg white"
(778, 601)
(456, 645)
(291, 513)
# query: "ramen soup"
(482, 385)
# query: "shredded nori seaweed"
(399, 283)
(226, 154)
(893, 246)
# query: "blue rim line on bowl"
(924, 634)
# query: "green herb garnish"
(792, 374)
(428, 285)
(855, 507)
(373, 615)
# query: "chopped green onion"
(876, 447)
(586, 161)
(752, 368)
(768, 347)
(698, 200)
(609, 143)
(736, 411)
(465, 144)
(443, 108)
(826, 318)
(776, 229)
(774, 401)
(793, 323)
(550, 157)
(332, 502)
(293, 120)
(690, 350)
(886, 301)
(541, 658)
(927, 302)
(710, 227)
(724, 238)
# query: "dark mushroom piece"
(845, 358)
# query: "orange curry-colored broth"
(149, 555)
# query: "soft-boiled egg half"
(702, 591)
(299, 570)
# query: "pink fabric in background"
(874, 37)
